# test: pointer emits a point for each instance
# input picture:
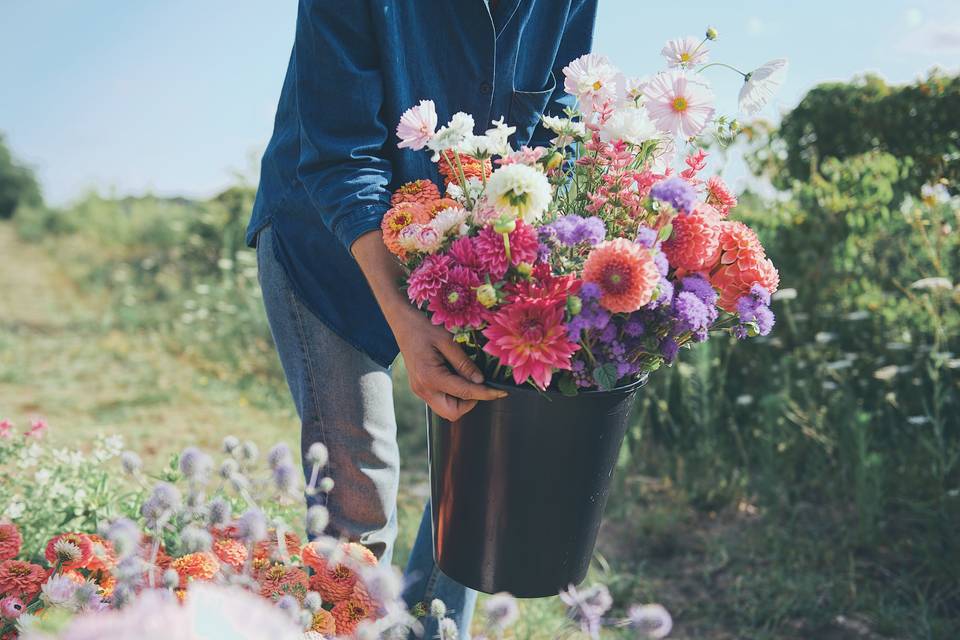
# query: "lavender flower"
(669, 349)
(218, 512)
(284, 476)
(572, 230)
(588, 606)
(700, 287)
(279, 455)
(502, 611)
(756, 318)
(130, 462)
(676, 192)
(252, 526)
(646, 237)
(195, 465)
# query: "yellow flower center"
(597, 85)
(685, 57)
(401, 221)
(679, 103)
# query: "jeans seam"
(432, 583)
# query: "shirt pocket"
(526, 108)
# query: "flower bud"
(525, 269)
(438, 609)
(317, 454)
(505, 224)
(130, 462)
(487, 295)
(326, 485)
(712, 33)
(574, 305)
(461, 338)
(554, 160)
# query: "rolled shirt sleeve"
(339, 97)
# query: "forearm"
(383, 273)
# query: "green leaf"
(606, 376)
(567, 385)
(665, 232)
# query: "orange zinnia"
(336, 583)
(349, 614)
(21, 579)
(396, 220)
(418, 191)
(202, 565)
(472, 168)
(230, 552)
(436, 206)
(103, 558)
(324, 623)
(280, 580)
(10, 541)
(270, 549)
(79, 540)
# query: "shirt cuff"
(360, 221)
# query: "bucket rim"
(553, 393)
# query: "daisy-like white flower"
(760, 85)
(568, 131)
(417, 125)
(684, 52)
(66, 551)
(632, 126)
(590, 77)
(519, 191)
(679, 104)
(452, 135)
(450, 219)
(498, 134)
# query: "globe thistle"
(171, 579)
(167, 496)
(317, 519)
(437, 608)
(651, 620)
(448, 629)
(195, 465)
(218, 512)
(325, 485)
(249, 452)
(284, 476)
(252, 526)
(502, 611)
(230, 444)
(312, 601)
(279, 454)
(130, 462)
(289, 605)
(239, 482)
(228, 468)
(194, 538)
(317, 454)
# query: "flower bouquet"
(577, 268)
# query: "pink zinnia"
(6, 428)
(37, 428)
(719, 195)
(491, 251)
(678, 104)
(417, 125)
(455, 304)
(525, 155)
(626, 273)
(695, 241)
(426, 280)
(529, 335)
(10, 541)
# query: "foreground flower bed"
(205, 549)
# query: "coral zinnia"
(455, 304)
(426, 280)
(418, 192)
(202, 565)
(232, 553)
(336, 583)
(625, 272)
(349, 614)
(280, 580)
(737, 238)
(270, 547)
(71, 550)
(695, 241)
(324, 623)
(21, 579)
(529, 336)
(396, 220)
(10, 541)
(103, 557)
(472, 168)
(439, 204)
(492, 252)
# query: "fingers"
(456, 386)
(450, 408)
(459, 360)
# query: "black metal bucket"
(519, 486)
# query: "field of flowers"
(804, 485)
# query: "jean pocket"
(526, 107)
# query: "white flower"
(417, 125)
(42, 476)
(932, 284)
(58, 591)
(590, 77)
(498, 135)
(785, 294)
(652, 620)
(519, 191)
(452, 135)
(449, 219)
(684, 52)
(569, 131)
(632, 126)
(15, 508)
(761, 84)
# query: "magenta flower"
(455, 304)
(426, 280)
(6, 428)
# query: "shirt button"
(486, 88)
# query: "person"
(329, 284)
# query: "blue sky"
(177, 96)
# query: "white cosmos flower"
(519, 191)
(761, 84)
(590, 77)
(632, 126)
(452, 135)
(498, 135)
(684, 52)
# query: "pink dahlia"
(695, 241)
(464, 253)
(678, 104)
(417, 125)
(529, 335)
(625, 272)
(10, 541)
(545, 286)
(426, 280)
(491, 251)
(455, 304)
(719, 195)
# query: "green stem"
(722, 64)
(506, 247)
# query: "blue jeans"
(345, 401)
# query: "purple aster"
(660, 259)
(592, 230)
(700, 287)
(609, 333)
(572, 230)
(590, 291)
(690, 312)
(634, 328)
(677, 192)
(669, 348)
(761, 294)
(646, 237)
(665, 296)
(543, 252)
(751, 309)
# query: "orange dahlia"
(71, 550)
(324, 623)
(735, 280)
(695, 241)
(436, 206)
(103, 558)
(230, 552)
(737, 238)
(418, 191)
(10, 541)
(106, 581)
(624, 271)
(202, 566)
(21, 579)
(280, 580)
(396, 220)
(472, 168)
(349, 614)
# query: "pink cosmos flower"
(678, 104)
(417, 125)
(529, 335)
(684, 52)
(6, 428)
(426, 280)
(37, 428)
(491, 251)
(592, 79)
(455, 304)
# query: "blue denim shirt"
(356, 66)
